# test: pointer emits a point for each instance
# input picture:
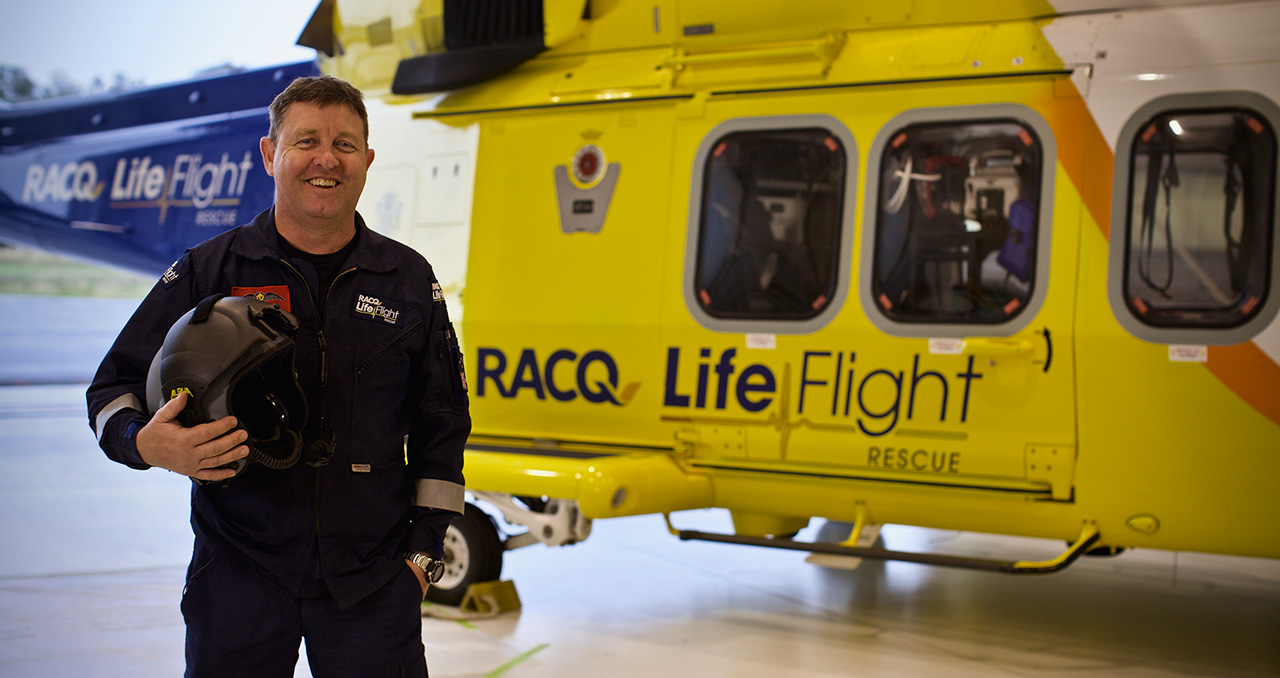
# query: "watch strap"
(432, 568)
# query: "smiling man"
(319, 157)
(335, 549)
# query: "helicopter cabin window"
(1193, 220)
(769, 226)
(957, 222)
(1198, 235)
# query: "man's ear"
(268, 149)
(368, 155)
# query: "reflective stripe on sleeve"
(127, 401)
(440, 494)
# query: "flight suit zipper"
(324, 359)
(324, 446)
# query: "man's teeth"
(325, 183)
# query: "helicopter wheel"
(472, 554)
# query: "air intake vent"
(479, 23)
(483, 39)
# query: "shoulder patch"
(174, 273)
(437, 294)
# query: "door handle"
(991, 346)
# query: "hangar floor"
(93, 558)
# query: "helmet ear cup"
(262, 407)
(257, 409)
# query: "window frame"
(848, 211)
(959, 115)
(1121, 208)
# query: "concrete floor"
(94, 554)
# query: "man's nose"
(326, 158)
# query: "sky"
(155, 41)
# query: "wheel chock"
(490, 598)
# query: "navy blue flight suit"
(299, 548)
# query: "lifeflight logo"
(140, 182)
(370, 307)
(874, 399)
(831, 383)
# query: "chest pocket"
(387, 343)
(386, 354)
(446, 377)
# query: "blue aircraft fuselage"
(137, 178)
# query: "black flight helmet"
(235, 356)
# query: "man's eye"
(306, 142)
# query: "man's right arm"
(117, 396)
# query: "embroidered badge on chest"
(272, 294)
(377, 309)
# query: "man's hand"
(422, 576)
(196, 452)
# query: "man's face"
(319, 162)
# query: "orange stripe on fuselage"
(1252, 374)
(1084, 153)
(1089, 162)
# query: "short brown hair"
(321, 90)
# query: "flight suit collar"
(259, 240)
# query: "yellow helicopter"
(999, 267)
(993, 267)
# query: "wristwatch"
(434, 569)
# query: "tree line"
(17, 86)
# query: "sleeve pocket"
(446, 376)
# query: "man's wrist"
(120, 438)
(432, 568)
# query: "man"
(320, 550)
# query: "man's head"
(318, 152)
(321, 90)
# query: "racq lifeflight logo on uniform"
(369, 307)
